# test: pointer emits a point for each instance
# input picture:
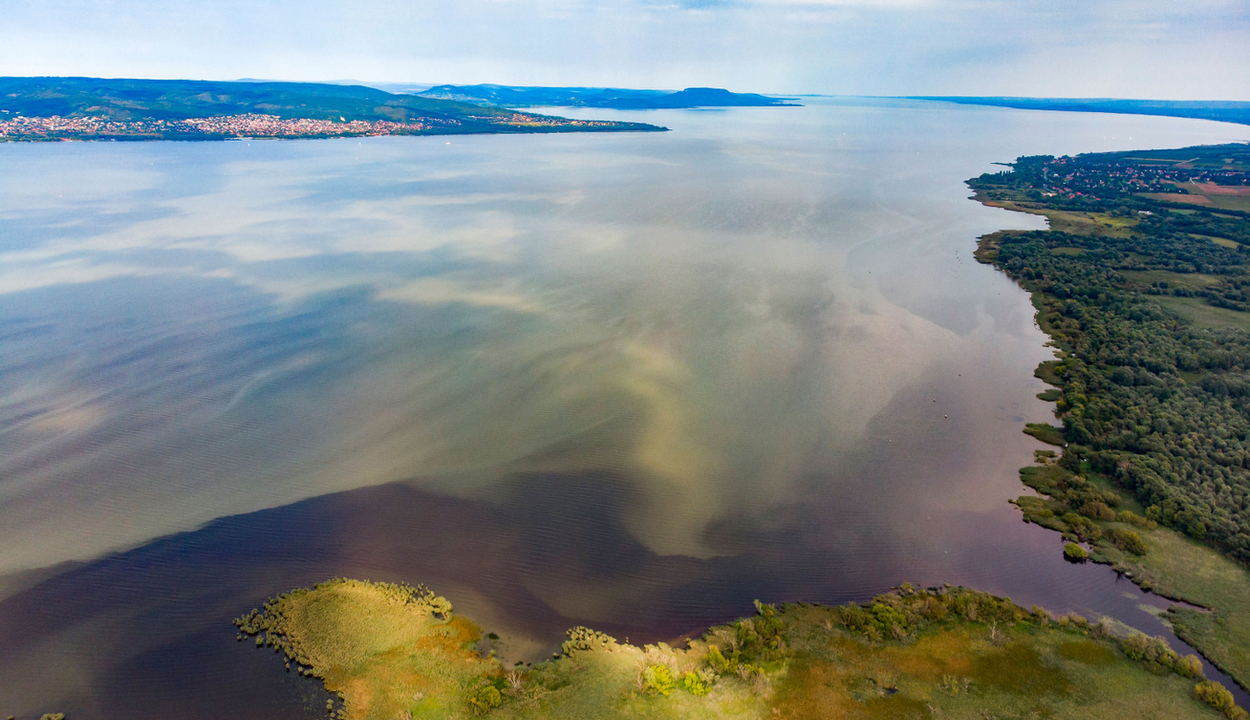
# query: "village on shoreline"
(254, 125)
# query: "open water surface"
(631, 381)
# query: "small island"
(400, 651)
(60, 108)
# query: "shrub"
(1129, 541)
(767, 625)
(747, 637)
(933, 608)
(698, 683)
(583, 638)
(1218, 697)
(439, 607)
(1189, 666)
(1131, 518)
(1097, 510)
(853, 617)
(485, 699)
(1072, 619)
(717, 661)
(1153, 652)
(1082, 527)
(888, 618)
(658, 679)
(966, 605)
(1072, 551)
(747, 670)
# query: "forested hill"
(133, 99)
(1222, 110)
(1144, 280)
(137, 109)
(616, 98)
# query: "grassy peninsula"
(1142, 283)
(71, 108)
(388, 651)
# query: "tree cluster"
(1160, 405)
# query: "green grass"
(960, 668)
(945, 653)
(1222, 242)
(1191, 281)
(1087, 223)
(1048, 434)
(1046, 372)
(1180, 567)
(1197, 312)
(1173, 566)
(345, 630)
(1076, 223)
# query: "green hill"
(125, 102)
(615, 98)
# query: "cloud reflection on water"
(210, 329)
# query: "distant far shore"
(60, 108)
(1220, 110)
(272, 127)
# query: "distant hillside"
(614, 98)
(126, 99)
(147, 109)
(1222, 110)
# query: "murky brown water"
(631, 381)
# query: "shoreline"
(51, 108)
(1142, 570)
(384, 649)
(369, 545)
(605, 127)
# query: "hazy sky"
(1190, 49)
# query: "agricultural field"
(1208, 194)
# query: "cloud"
(845, 3)
(1141, 48)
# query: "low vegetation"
(398, 651)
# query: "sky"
(1166, 49)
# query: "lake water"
(632, 381)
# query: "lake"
(631, 381)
